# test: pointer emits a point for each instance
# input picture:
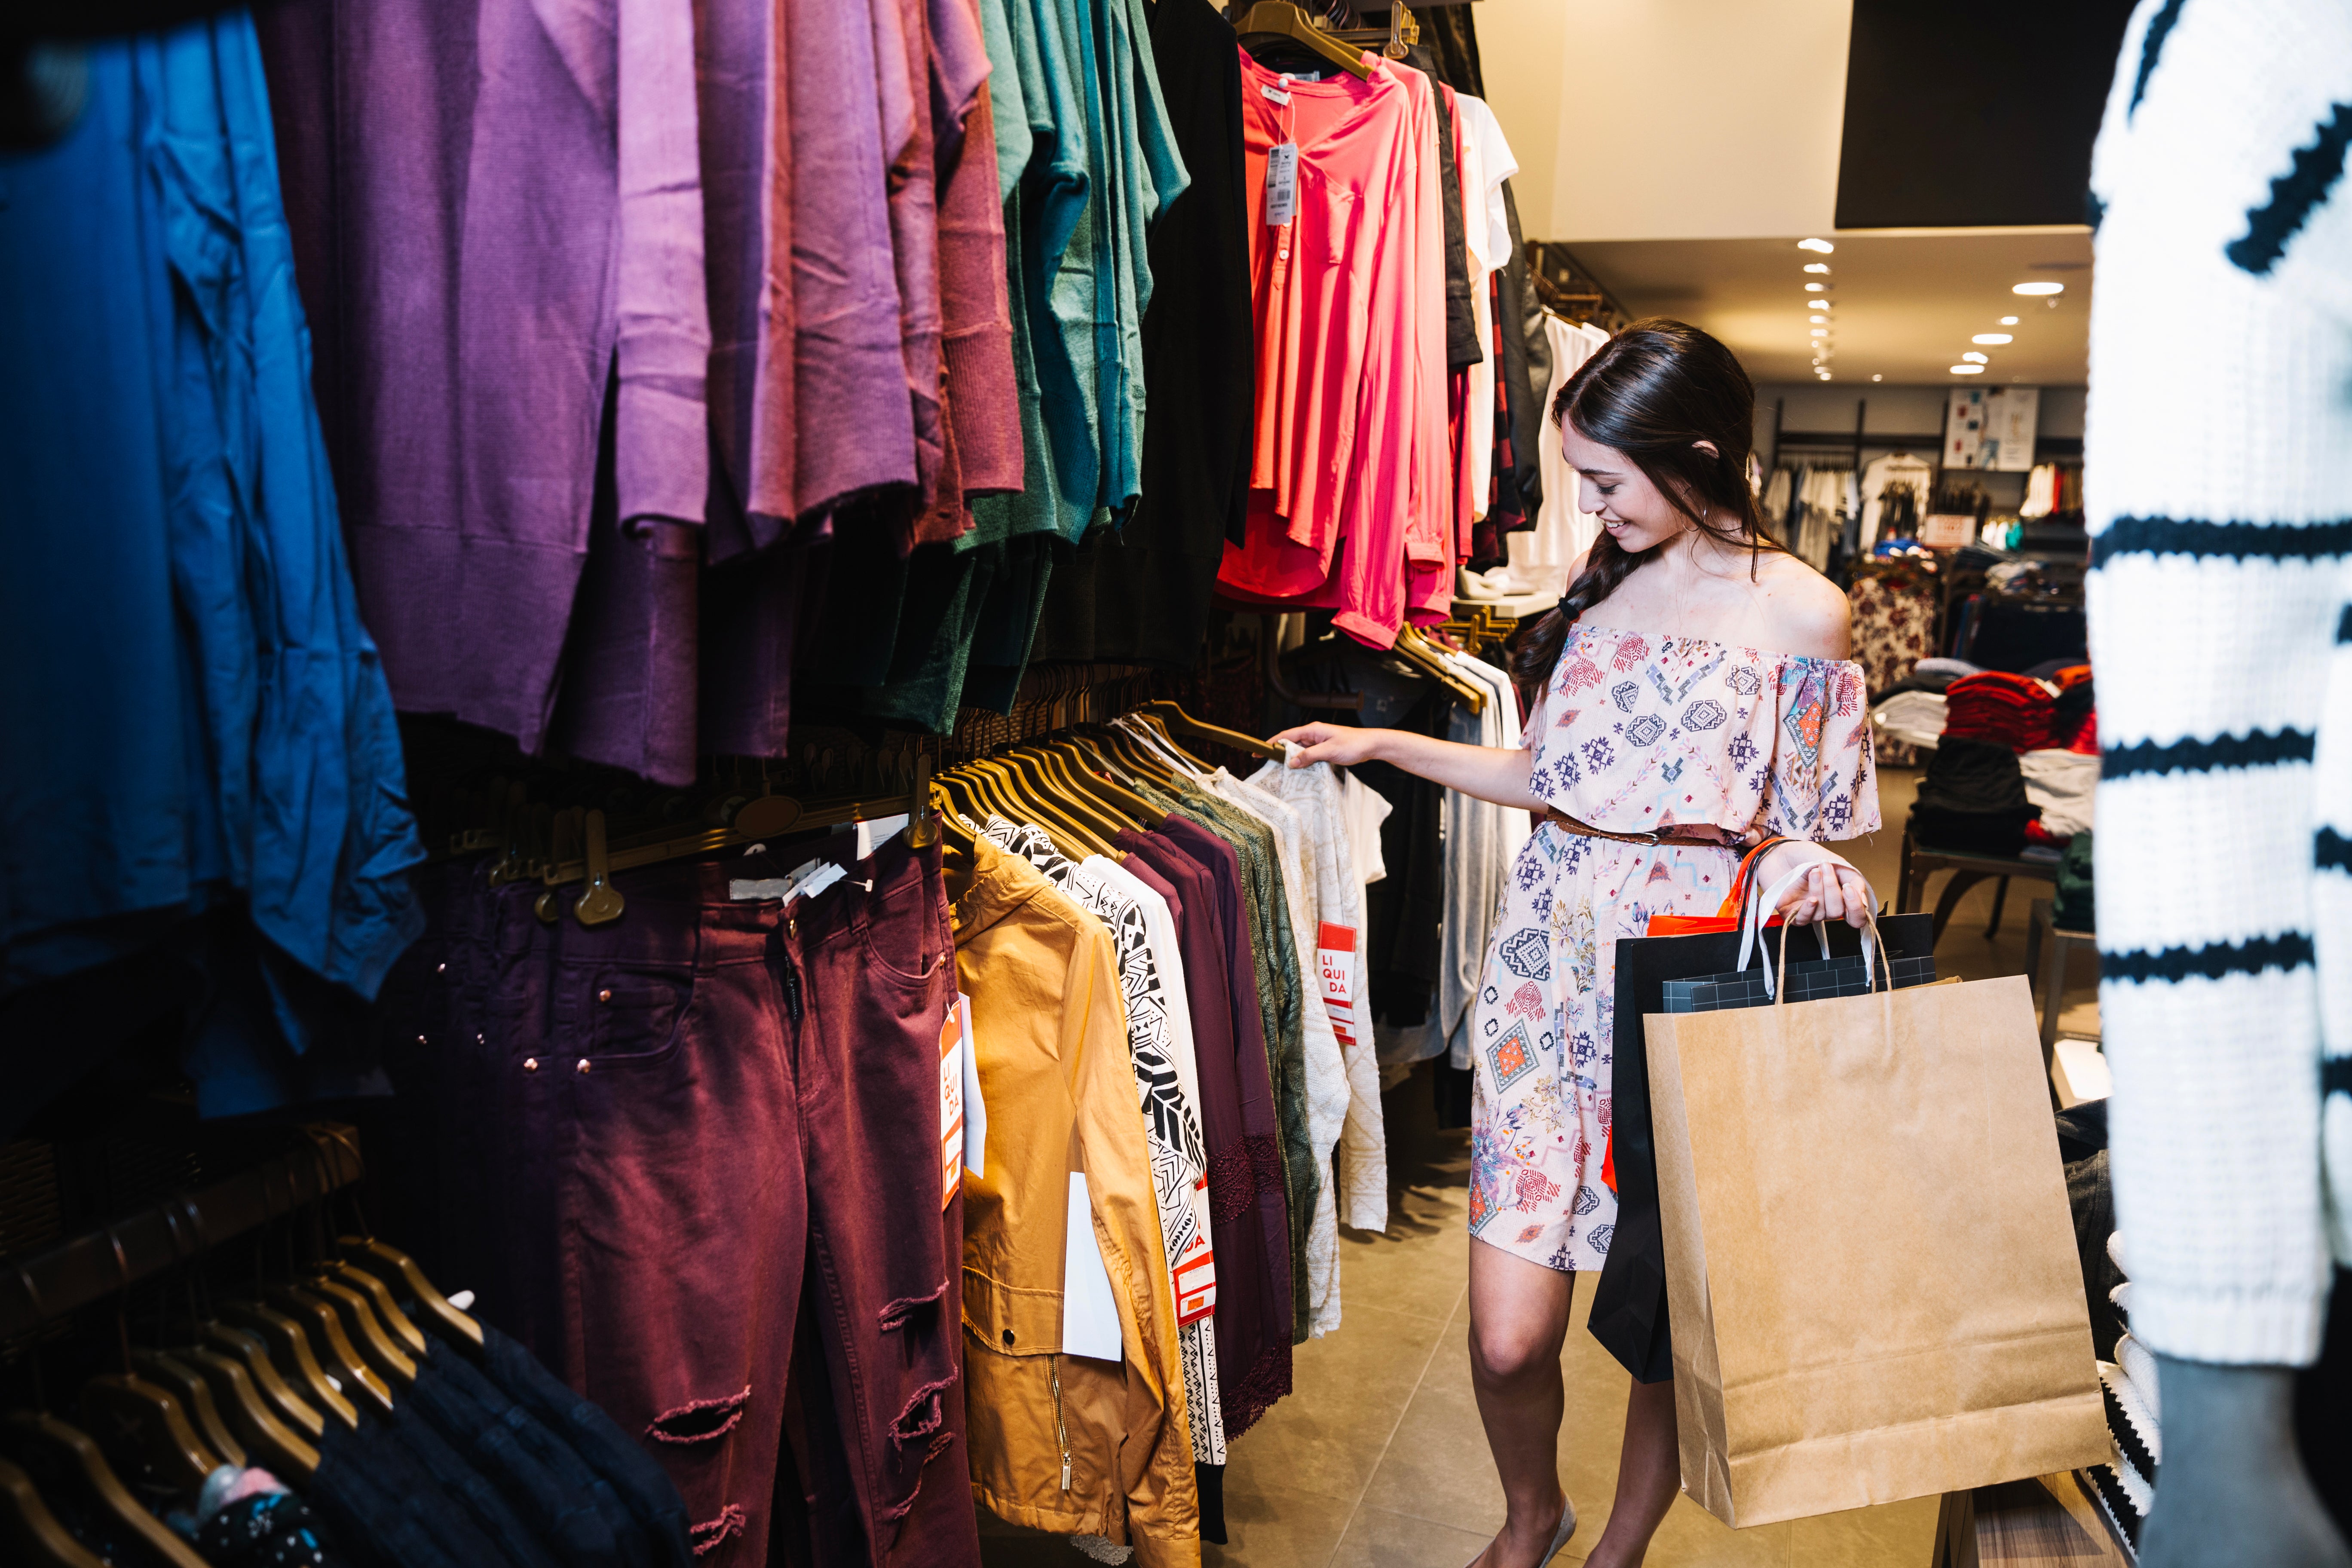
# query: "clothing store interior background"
(657, 632)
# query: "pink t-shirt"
(1351, 501)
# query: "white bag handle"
(1752, 925)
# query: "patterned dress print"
(1633, 733)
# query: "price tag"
(952, 1049)
(1281, 184)
(1335, 956)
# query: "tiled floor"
(1378, 1461)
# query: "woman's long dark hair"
(1652, 393)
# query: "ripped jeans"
(700, 1117)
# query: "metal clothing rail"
(48, 1285)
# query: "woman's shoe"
(1558, 1537)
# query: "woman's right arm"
(1497, 774)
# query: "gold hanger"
(399, 1271)
(387, 1310)
(30, 1532)
(250, 1354)
(289, 1351)
(1173, 717)
(46, 1447)
(268, 1439)
(195, 1397)
(366, 1332)
(1086, 808)
(324, 1330)
(1278, 18)
(1423, 656)
(145, 1433)
(1082, 767)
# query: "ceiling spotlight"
(1975, 358)
(1993, 337)
(1813, 287)
(2039, 286)
(1821, 332)
(1816, 321)
(1817, 267)
(1967, 370)
(2008, 321)
(1820, 247)
(1878, 378)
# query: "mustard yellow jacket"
(1061, 1442)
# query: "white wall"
(1669, 119)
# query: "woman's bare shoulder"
(1807, 613)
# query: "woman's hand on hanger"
(1830, 890)
(1497, 775)
(1341, 745)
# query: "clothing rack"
(1567, 286)
(51, 1284)
(1856, 442)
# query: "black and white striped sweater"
(2218, 480)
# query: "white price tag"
(1089, 1310)
(975, 1109)
(1281, 184)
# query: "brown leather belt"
(1694, 834)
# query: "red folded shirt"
(2000, 710)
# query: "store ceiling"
(1905, 302)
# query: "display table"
(1968, 868)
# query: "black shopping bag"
(1628, 1302)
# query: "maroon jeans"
(699, 1117)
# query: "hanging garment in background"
(565, 1086)
(1172, 1124)
(1139, 591)
(1563, 530)
(1249, 1207)
(1895, 469)
(1350, 491)
(196, 717)
(1061, 1441)
(1894, 623)
(1316, 793)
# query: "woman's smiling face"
(1636, 513)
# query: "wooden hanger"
(29, 1532)
(324, 1330)
(367, 1333)
(249, 1352)
(1174, 719)
(289, 1350)
(145, 1433)
(1063, 819)
(399, 1272)
(268, 1440)
(49, 1450)
(1084, 769)
(1423, 656)
(195, 1397)
(1098, 826)
(1279, 18)
(412, 1338)
(1115, 744)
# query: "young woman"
(1695, 697)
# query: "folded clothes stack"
(2012, 710)
(1908, 719)
(1972, 797)
(2061, 783)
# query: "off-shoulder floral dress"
(1633, 733)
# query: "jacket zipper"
(1061, 1432)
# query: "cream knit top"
(2218, 486)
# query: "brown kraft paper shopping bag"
(1870, 1261)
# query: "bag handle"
(1751, 929)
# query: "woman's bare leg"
(1519, 1318)
(1649, 1473)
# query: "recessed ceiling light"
(1993, 337)
(1817, 267)
(1821, 332)
(1820, 247)
(1816, 321)
(1813, 287)
(1878, 378)
(2039, 286)
(1967, 370)
(1975, 358)
(2008, 321)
